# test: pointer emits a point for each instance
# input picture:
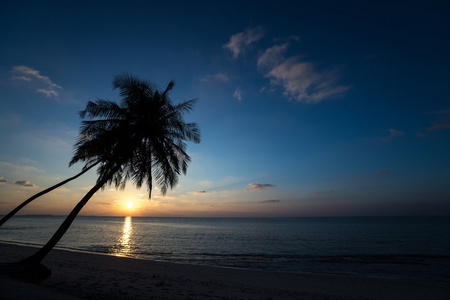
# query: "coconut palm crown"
(144, 136)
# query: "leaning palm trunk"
(36, 258)
(15, 210)
(142, 139)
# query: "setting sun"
(130, 205)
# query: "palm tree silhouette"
(24, 203)
(142, 140)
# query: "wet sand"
(94, 276)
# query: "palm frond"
(142, 139)
(168, 88)
(101, 109)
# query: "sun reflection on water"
(125, 240)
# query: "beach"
(96, 276)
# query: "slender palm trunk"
(42, 253)
(15, 210)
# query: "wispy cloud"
(200, 192)
(25, 78)
(270, 201)
(24, 183)
(237, 94)
(239, 42)
(260, 186)
(24, 73)
(48, 93)
(215, 77)
(393, 133)
(302, 82)
(17, 168)
(272, 57)
(442, 122)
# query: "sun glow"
(130, 205)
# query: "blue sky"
(307, 108)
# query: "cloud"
(393, 133)
(216, 77)
(29, 74)
(442, 122)
(200, 192)
(269, 201)
(24, 183)
(302, 82)
(272, 57)
(383, 172)
(48, 93)
(260, 186)
(2, 179)
(237, 94)
(25, 78)
(242, 40)
(17, 168)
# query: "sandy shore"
(93, 276)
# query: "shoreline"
(98, 276)
(389, 272)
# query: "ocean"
(389, 247)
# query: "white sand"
(95, 276)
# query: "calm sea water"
(400, 247)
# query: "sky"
(306, 108)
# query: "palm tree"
(142, 140)
(19, 207)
